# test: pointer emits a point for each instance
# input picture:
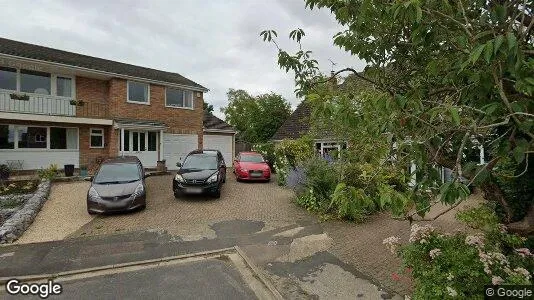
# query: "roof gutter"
(219, 131)
(95, 71)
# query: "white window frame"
(91, 134)
(181, 107)
(16, 139)
(128, 93)
(53, 84)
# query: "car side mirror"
(179, 164)
(88, 178)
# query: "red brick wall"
(95, 95)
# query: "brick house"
(59, 107)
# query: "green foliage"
(208, 107)
(442, 264)
(49, 173)
(267, 151)
(439, 75)
(256, 118)
(289, 153)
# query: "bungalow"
(59, 107)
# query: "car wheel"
(142, 207)
(217, 194)
(224, 179)
(91, 212)
(177, 195)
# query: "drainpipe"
(122, 142)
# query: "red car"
(251, 166)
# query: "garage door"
(222, 143)
(176, 147)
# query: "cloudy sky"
(215, 43)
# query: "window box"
(22, 97)
(77, 102)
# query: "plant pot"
(160, 167)
(83, 171)
(69, 170)
(4, 172)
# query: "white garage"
(223, 143)
(219, 135)
(177, 146)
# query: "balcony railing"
(51, 105)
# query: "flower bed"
(18, 187)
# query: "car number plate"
(256, 174)
(193, 190)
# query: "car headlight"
(213, 178)
(179, 178)
(93, 194)
(139, 190)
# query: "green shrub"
(49, 173)
(288, 154)
(441, 265)
(267, 151)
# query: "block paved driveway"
(192, 217)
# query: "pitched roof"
(212, 122)
(32, 51)
(297, 125)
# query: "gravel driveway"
(63, 213)
(191, 217)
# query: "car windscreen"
(117, 173)
(251, 158)
(200, 162)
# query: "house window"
(97, 138)
(138, 92)
(31, 137)
(63, 86)
(63, 138)
(152, 141)
(126, 146)
(178, 98)
(8, 78)
(7, 137)
(35, 82)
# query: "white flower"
(392, 243)
(452, 292)
(420, 232)
(523, 252)
(496, 280)
(450, 277)
(434, 253)
(474, 240)
(524, 272)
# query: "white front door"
(143, 144)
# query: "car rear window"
(251, 158)
(117, 173)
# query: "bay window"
(63, 138)
(31, 137)
(178, 98)
(16, 137)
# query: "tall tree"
(449, 75)
(256, 118)
(208, 107)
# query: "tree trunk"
(492, 192)
(526, 226)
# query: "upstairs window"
(35, 82)
(8, 79)
(138, 92)
(64, 86)
(178, 98)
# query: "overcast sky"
(214, 43)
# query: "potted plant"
(77, 102)
(4, 172)
(160, 167)
(83, 171)
(16, 96)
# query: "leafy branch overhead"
(446, 76)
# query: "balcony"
(52, 106)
